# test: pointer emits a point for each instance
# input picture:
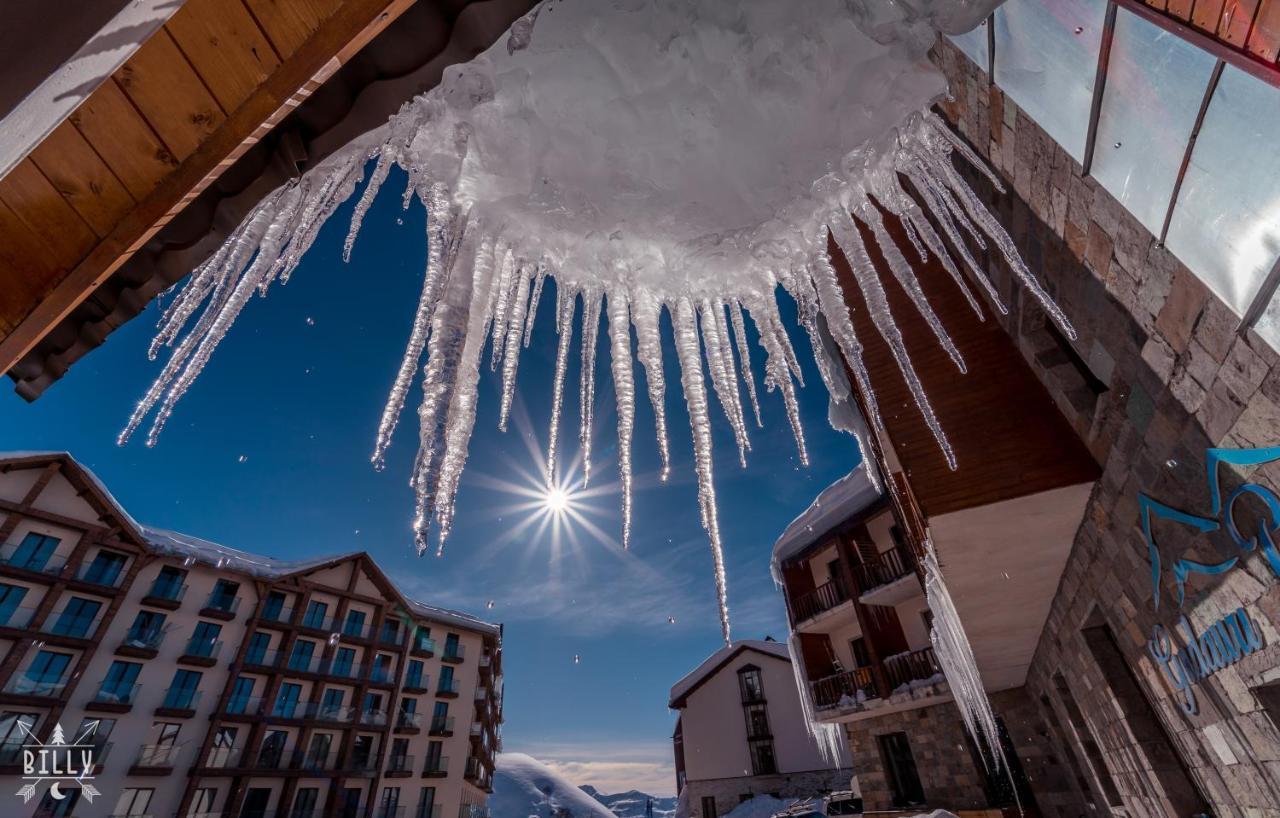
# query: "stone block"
(1243, 370)
(1180, 310)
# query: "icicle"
(587, 376)
(624, 387)
(505, 287)
(444, 235)
(955, 655)
(906, 277)
(386, 158)
(695, 395)
(511, 355)
(777, 375)
(846, 235)
(566, 303)
(533, 303)
(829, 738)
(744, 355)
(645, 310)
(724, 383)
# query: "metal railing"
(165, 589)
(146, 639)
(400, 763)
(832, 690)
(181, 698)
(408, 721)
(53, 565)
(117, 694)
(442, 726)
(221, 602)
(26, 686)
(203, 648)
(98, 574)
(456, 654)
(823, 598)
(906, 668)
(156, 755)
(890, 566)
(436, 766)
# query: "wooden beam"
(352, 25)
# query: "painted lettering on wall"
(1234, 636)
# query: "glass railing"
(436, 766)
(447, 686)
(223, 757)
(203, 648)
(476, 728)
(167, 589)
(335, 713)
(400, 763)
(274, 758)
(390, 637)
(343, 670)
(303, 663)
(181, 698)
(363, 764)
(486, 659)
(108, 576)
(244, 705)
(19, 617)
(382, 674)
(407, 721)
(109, 693)
(389, 812)
(221, 602)
(417, 681)
(80, 626)
(356, 630)
(156, 755)
(442, 726)
(281, 614)
(52, 564)
(374, 717)
(144, 639)
(481, 693)
(285, 709)
(26, 686)
(318, 622)
(319, 761)
(454, 653)
(428, 811)
(424, 644)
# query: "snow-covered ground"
(631, 804)
(524, 787)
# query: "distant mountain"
(631, 804)
(524, 787)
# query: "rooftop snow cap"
(842, 499)
(713, 663)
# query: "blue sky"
(300, 400)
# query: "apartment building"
(216, 683)
(741, 732)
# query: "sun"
(557, 500)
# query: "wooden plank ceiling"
(191, 100)
(1249, 26)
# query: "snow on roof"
(709, 665)
(524, 786)
(837, 502)
(185, 546)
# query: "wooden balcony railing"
(830, 691)
(823, 598)
(906, 668)
(888, 567)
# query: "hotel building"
(741, 732)
(214, 683)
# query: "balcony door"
(900, 769)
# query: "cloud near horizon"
(610, 768)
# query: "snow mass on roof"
(682, 687)
(837, 502)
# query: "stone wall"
(1157, 374)
(729, 792)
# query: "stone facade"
(729, 792)
(1158, 373)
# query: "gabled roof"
(185, 546)
(681, 690)
(846, 497)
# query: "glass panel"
(1046, 59)
(1226, 226)
(1155, 83)
(973, 44)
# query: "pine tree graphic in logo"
(58, 762)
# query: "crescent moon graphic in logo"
(55, 793)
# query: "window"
(44, 676)
(413, 676)
(381, 667)
(106, 568)
(317, 612)
(440, 717)
(391, 631)
(331, 704)
(146, 630)
(161, 753)
(750, 684)
(399, 753)
(222, 753)
(318, 752)
(446, 681)
(34, 551)
(287, 700)
(757, 721)
(362, 750)
(256, 653)
(224, 597)
(204, 642)
(372, 704)
(300, 656)
(709, 806)
(435, 763)
(241, 695)
(77, 617)
(202, 801)
(354, 625)
(344, 662)
(118, 685)
(11, 597)
(272, 752)
(390, 801)
(900, 769)
(426, 802)
(451, 648)
(273, 607)
(15, 731)
(762, 760)
(304, 803)
(168, 584)
(422, 641)
(133, 801)
(408, 706)
(184, 693)
(256, 801)
(349, 802)
(858, 649)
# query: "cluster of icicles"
(483, 282)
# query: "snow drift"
(524, 787)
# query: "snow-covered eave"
(712, 664)
(839, 502)
(128, 523)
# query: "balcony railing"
(356, 630)
(203, 648)
(442, 726)
(821, 599)
(447, 687)
(436, 766)
(906, 668)
(382, 674)
(851, 686)
(26, 686)
(456, 653)
(389, 811)
(223, 757)
(19, 617)
(390, 637)
(424, 644)
(222, 602)
(373, 717)
(890, 566)
(317, 622)
(428, 811)
(420, 681)
(282, 614)
(167, 590)
(408, 721)
(181, 698)
(146, 639)
(315, 762)
(53, 565)
(117, 694)
(364, 764)
(156, 755)
(335, 713)
(400, 763)
(80, 626)
(96, 573)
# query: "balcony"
(113, 697)
(429, 811)
(19, 617)
(453, 654)
(417, 683)
(154, 759)
(105, 575)
(423, 646)
(447, 689)
(319, 762)
(389, 811)
(42, 688)
(382, 675)
(274, 758)
(436, 767)
(820, 600)
(363, 764)
(888, 579)
(179, 702)
(244, 706)
(441, 726)
(408, 722)
(220, 758)
(392, 637)
(905, 670)
(318, 622)
(400, 766)
(844, 690)
(280, 615)
(476, 773)
(201, 652)
(335, 714)
(221, 606)
(165, 594)
(74, 625)
(375, 718)
(142, 643)
(27, 561)
(355, 630)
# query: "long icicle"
(566, 304)
(591, 300)
(511, 355)
(645, 315)
(744, 355)
(695, 396)
(725, 385)
(624, 387)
